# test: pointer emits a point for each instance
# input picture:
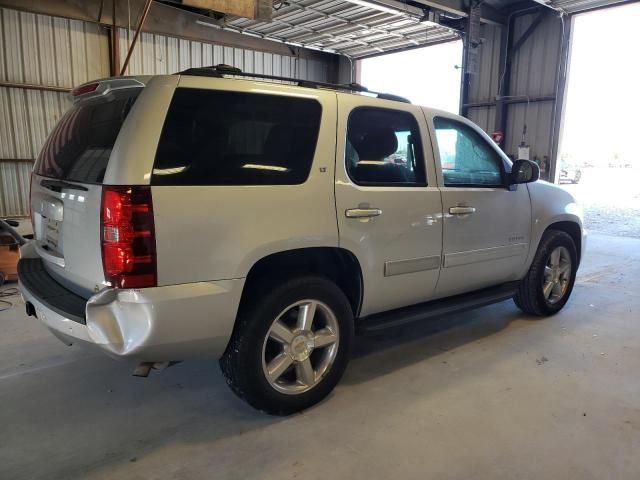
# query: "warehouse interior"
(488, 393)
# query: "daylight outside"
(600, 147)
(599, 159)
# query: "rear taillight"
(128, 237)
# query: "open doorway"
(600, 149)
(427, 76)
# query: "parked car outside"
(570, 174)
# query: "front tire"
(549, 282)
(290, 346)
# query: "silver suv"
(264, 223)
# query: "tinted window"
(384, 148)
(466, 158)
(212, 137)
(80, 145)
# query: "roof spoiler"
(99, 88)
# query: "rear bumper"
(151, 324)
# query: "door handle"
(363, 212)
(461, 210)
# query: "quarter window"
(213, 137)
(384, 148)
(465, 157)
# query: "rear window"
(213, 137)
(79, 147)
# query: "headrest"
(377, 143)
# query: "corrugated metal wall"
(26, 117)
(39, 50)
(161, 54)
(484, 85)
(534, 73)
(44, 50)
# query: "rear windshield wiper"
(57, 185)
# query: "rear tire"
(549, 282)
(290, 346)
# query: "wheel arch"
(573, 229)
(337, 264)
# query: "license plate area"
(52, 233)
(48, 216)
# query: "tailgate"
(66, 222)
(66, 187)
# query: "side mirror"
(524, 171)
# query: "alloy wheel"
(300, 347)
(557, 275)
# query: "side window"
(213, 137)
(384, 148)
(466, 158)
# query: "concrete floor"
(487, 394)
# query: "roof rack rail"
(219, 71)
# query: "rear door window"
(384, 148)
(80, 145)
(213, 137)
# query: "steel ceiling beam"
(461, 8)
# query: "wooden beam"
(241, 8)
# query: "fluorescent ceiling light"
(375, 6)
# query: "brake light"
(86, 88)
(128, 237)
